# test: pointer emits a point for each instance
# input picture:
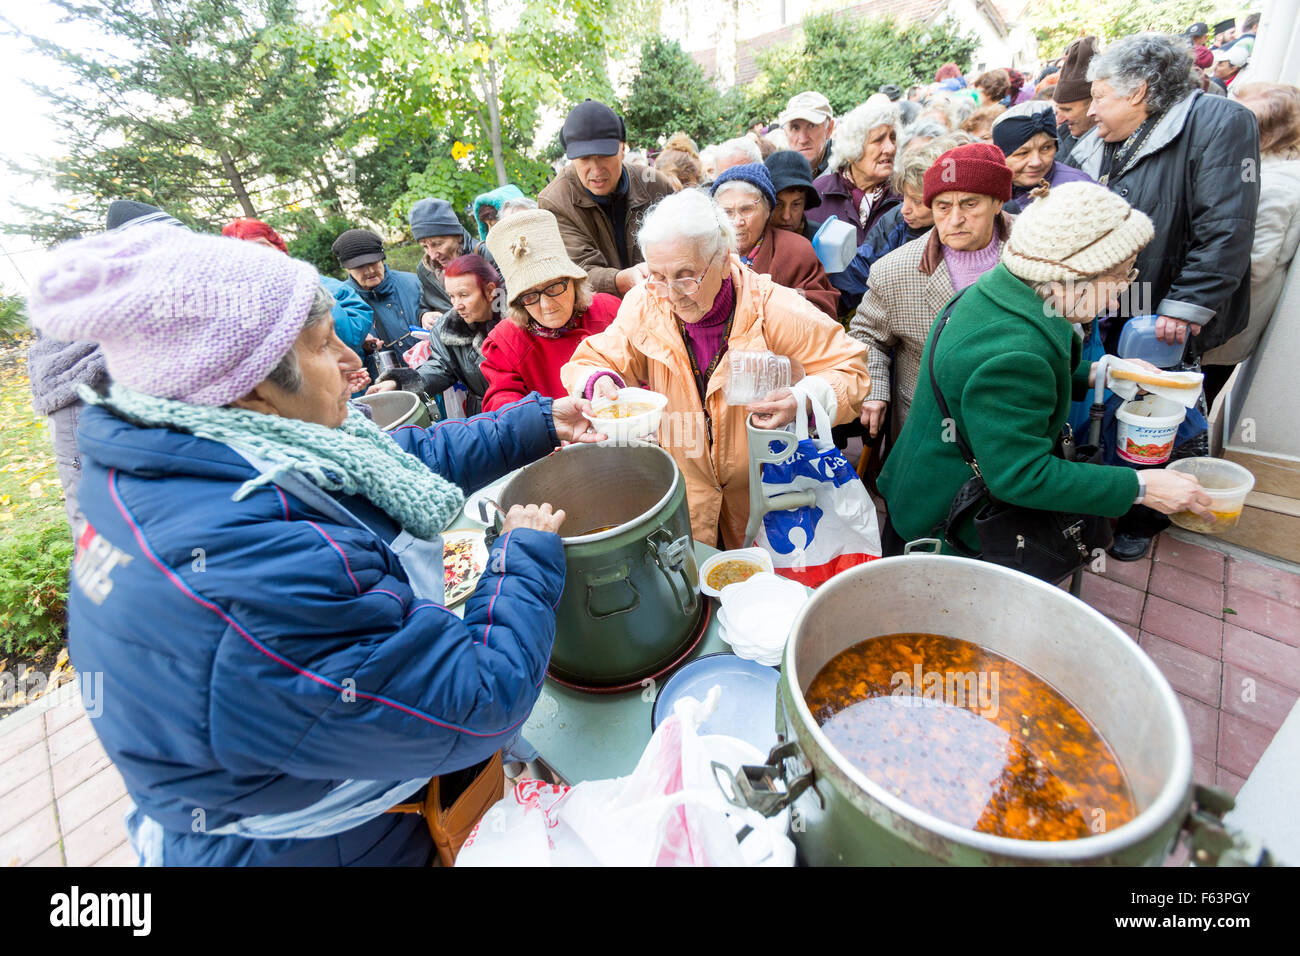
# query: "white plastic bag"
(840, 529)
(669, 812)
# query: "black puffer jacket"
(456, 356)
(1197, 177)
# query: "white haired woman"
(747, 196)
(672, 335)
(856, 188)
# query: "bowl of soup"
(732, 567)
(634, 414)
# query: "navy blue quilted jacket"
(254, 654)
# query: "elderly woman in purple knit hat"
(269, 564)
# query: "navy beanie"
(755, 174)
(434, 217)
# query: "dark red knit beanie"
(973, 168)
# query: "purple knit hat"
(199, 319)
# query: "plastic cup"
(1227, 484)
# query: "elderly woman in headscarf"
(746, 196)
(672, 335)
(550, 309)
(487, 206)
(856, 188)
(304, 676)
(1026, 134)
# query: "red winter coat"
(516, 362)
(789, 259)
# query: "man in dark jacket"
(1190, 162)
(435, 227)
(599, 201)
(808, 125)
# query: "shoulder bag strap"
(939, 324)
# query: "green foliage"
(13, 318)
(443, 65)
(848, 60)
(1059, 22)
(459, 182)
(199, 116)
(312, 239)
(670, 94)
(34, 588)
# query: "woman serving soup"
(672, 335)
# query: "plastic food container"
(1227, 484)
(836, 243)
(753, 375)
(1147, 429)
(1138, 341)
(754, 556)
(636, 426)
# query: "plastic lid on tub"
(836, 243)
(1138, 340)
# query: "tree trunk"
(488, 84)
(237, 185)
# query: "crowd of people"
(1042, 212)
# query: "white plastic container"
(1147, 428)
(1226, 482)
(1137, 340)
(756, 556)
(638, 426)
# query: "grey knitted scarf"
(357, 458)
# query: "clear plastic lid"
(755, 374)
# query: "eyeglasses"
(741, 213)
(687, 285)
(1130, 277)
(552, 291)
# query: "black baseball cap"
(1224, 26)
(1196, 30)
(358, 247)
(592, 129)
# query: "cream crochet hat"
(529, 251)
(1078, 230)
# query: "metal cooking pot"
(844, 817)
(393, 409)
(631, 604)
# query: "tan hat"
(808, 105)
(1078, 230)
(529, 251)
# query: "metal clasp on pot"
(754, 788)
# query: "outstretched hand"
(570, 423)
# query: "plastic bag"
(840, 530)
(669, 812)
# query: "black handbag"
(1050, 545)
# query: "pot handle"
(677, 557)
(606, 576)
(754, 788)
(1210, 841)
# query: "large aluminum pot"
(846, 818)
(396, 408)
(631, 604)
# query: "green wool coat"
(1008, 370)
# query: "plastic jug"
(1138, 341)
(836, 243)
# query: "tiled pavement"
(1224, 629)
